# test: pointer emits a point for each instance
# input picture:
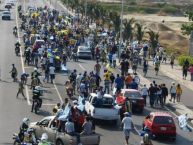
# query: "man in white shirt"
(52, 73)
(127, 126)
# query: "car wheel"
(174, 139)
(59, 142)
(140, 110)
(114, 122)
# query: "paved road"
(13, 110)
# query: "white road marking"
(81, 67)
(22, 61)
(60, 97)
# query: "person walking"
(184, 71)
(14, 73)
(107, 81)
(164, 94)
(20, 89)
(191, 72)
(178, 92)
(112, 78)
(173, 92)
(52, 73)
(144, 93)
(128, 80)
(97, 68)
(172, 58)
(152, 92)
(127, 126)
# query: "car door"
(51, 134)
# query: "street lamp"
(121, 30)
(85, 9)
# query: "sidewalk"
(175, 73)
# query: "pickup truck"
(48, 125)
(103, 108)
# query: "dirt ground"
(169, 31)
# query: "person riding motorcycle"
(29, 136)
(17, 48)
(146, 140)
(23, 128)
(37, 92)
(15, 30)
(44, 140)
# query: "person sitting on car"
(87, 127)
(69, 128)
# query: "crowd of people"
(52, 39)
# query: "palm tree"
(128, 31)
(139, 31)
(154, 39)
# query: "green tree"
(128, 31)
(139, 31)
(154, 40)
(188, 27)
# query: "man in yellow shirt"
(107, 81)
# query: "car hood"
(32, 124)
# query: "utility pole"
(85, 9)
(121, 31)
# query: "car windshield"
(6, 13)
(105, 102)
(132, 94)
(84, 49)
(163, 120)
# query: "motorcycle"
(37, 105)
(17, 50)
(17, 140)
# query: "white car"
(8, 6)
(84, 52)
(103, 109)
(6, 15)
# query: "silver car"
(6, 15)
(84, 52)
(48, 125)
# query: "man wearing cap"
(127, 126)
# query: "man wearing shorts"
(127, 126)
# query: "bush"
(182, 58)
(170, 9)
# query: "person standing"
(52, 73)
(178, 92)
(134, 85)
(20, 90)
(127, 126)
(144, 93)
(173, 92)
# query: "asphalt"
(12, 110)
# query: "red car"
(134, 96)
(160, 124)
